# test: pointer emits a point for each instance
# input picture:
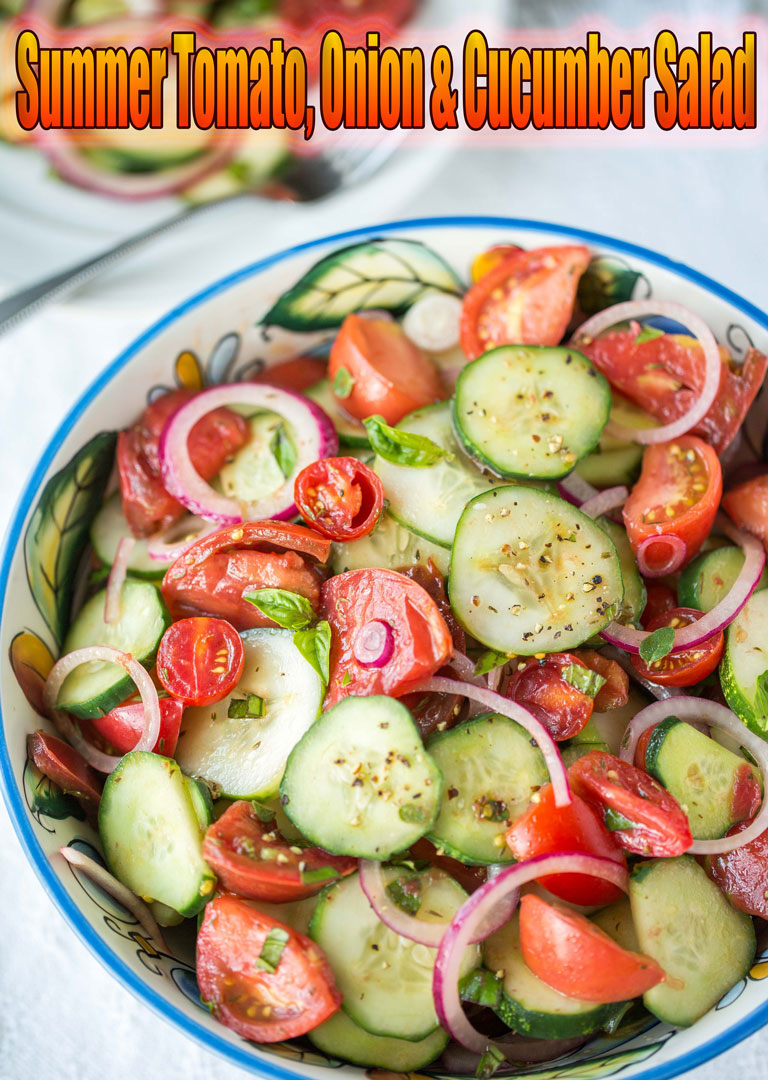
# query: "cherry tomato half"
(539, 686)
(297, 374)
(123, 725)
(258, 1003)
(577, 958)
(545, 828)
(660, 599)
(526, 299)
(67, 767)
(743, 872)
(200, 660)
(747, 505)
(622, 793)
(614, 693)
(386, 373)
(678, 494)
(252, 859)
(340, 497)
(682, 668)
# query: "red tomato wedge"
(545, 829)
(214, 574)
(575, 957)
(386, 374)
(200, 660)
(341, 498)
(615, 690)
(123, 725)
(742, 873)
(147, 506)
(525, 299)
(683, 668)
(252, 859)
(643, 816)
(236, 981)
(747, 505)
(539, 685)
(67, 767)
(297, 374)
(665, 375)
(421, 641)
(678, 494)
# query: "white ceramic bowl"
(215, 337)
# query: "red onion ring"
(605, 501)
(498, 704)
(374, 644)
(676, 551)
(693, 710)
(661, 693)
(465, 667)
(575, 490)
(102, 762)
(633, 309)
(117, 578)
(474, 913)
(494, 678)
(315, 438)
(160, 548)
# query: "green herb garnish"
(402, 447)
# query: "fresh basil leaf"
(272, 949)
(405, 892)
(583, 679)
(320, 873)
(481, 987)
(284, 451)
(616, 822)
(489, 661)
(263, 813)
(314, 644)
(489, 1062)
(288, 609)
(657, 645)
(761, 694)
(648, 333)
(250, 708)
(343, 383)
(402, 447)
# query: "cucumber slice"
(360, 781)
(611, 725)
(745, 659)
(341, 1037)
(245, 758)
(98, 686)
(530, 411)
(385, 979)
(686, 924)
(108, 529)
(429, 500)
(151, 835)
(587, 740)
(607, 468)
(635, 595)
(710, 577)
(617, 922)
(700, 773)
(350, 431)
(200, 794)
(296, 913)
(530, 573)
(164, 915)
(254, 471)
(490, 771)
(528, 1005)
(391, 547)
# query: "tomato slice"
(678, 494)
(665, 375)
(340, 497)
(67, 767)
(545, 828)
(661, 598)
(252, 859)
(743, 872)
(682, 668)
(577, 958)
(642, 815)
(261, 1004)
(539, 686)
(386, 373)
(614, 693)
(214, 574)
(526, 299)
(147, 506)
(297, 374)
(200, 660)
(123, 725)
(747, 505)
(421, 641)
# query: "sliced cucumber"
(350, 431)
(530, 411)
(296, 913)
(745, 659)
(490, 771)
(686, 924)
(360, 781)
(530, 573)
(587, 740)
(341, 1037)
(385, 979)
(700, 773)
(611, 725)
(635, 596)
(245, 758)
(255, 471)
(164, 915)
(151, 834)
(200, 794)
(710, 577)
(429, 500)
(528, 1005)
(617, 922)
(96, 687)
(390, 546)
(615, 461)
(109, 527)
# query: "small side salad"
(424, 679)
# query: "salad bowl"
(218, 336)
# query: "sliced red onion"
(721, 615)
(499, 704)
(660, 555)
(374, 644)
(109, 883)
(313, 430)
(465, 667)
(494, 678)
(575, 490)
(661, 693)
(635, 309)
(103, 762)
(696, 711)
(116, 579)
(473, 914)
(163, 548)
(604, 501)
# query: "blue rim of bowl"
(241, 1055)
